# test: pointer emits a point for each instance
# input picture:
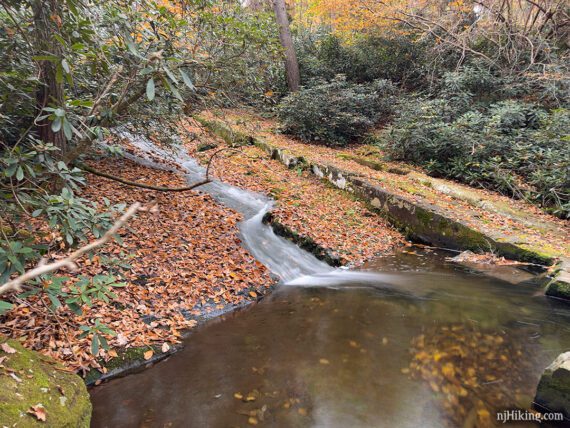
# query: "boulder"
(553, 392)
(37, 391)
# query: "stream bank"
(433, 211)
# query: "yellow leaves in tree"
(349, 16)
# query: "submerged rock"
(37, 391)
(553, 392)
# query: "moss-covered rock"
(553, 392)
(560, 285)
(30, 380)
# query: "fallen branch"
(137, 184)
(69, 262)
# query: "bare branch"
(141, 185)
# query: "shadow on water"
(409, 341)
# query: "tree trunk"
(291, 64)
(47, 19)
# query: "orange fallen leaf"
(148, 354)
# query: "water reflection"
(348, 356)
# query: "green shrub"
(338, 112)
(399, 58)
(513, 147)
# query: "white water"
(290, 263)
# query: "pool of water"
(421, 343)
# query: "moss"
(43, 381)
(558, 289)
(128, 361)
(425, 217)
(230, 136)
(203, 147)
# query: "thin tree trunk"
(47, 18)
(291, 63)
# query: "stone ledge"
(423, 222)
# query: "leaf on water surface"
(324, 361)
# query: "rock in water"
(553, 392)
(37, 391)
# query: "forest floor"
(185, 259)
(486, 211)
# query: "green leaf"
(56, 124)
(133, 49)
(67, 130)
(95, 345)
(150, 89)
(171, 75)
(5, 307)
(187, 80)
(51, 58)
(20, 174)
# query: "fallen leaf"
(16, 378)
(324, 361)
(7, 348)
(39, 412)
(165, 347)
(148, 354)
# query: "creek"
(408, 340)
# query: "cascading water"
(282, 257)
